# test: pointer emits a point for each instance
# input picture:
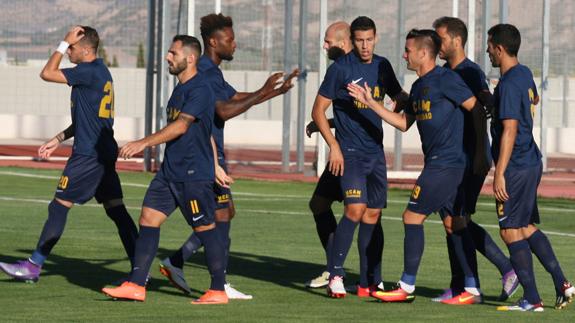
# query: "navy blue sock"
(488, 248)
(223, 229)
(520, 255)
(190, 247)
(146, 248)
(126, 229)
(363, 238)
(51, 233)
(465, 254)
(328, 251)
(214, 252)
(325, 224)
(457, 284)
(374, 255)
(341, 244)
(413, 244)
(541, 247)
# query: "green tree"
(103, 55)
(140, 62)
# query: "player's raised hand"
(46, 150)
(499, 188)
(74, 35)
(335, 160)
(222, 178)
(287, 83)
(362, 94)
(132, 148)
(272, 82)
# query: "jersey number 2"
(107, 104)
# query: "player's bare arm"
(320, 106)
(46, 150)
(285, 86)
(401, 121)
(506, 148)
(241, 102)
(51, 71)
(169, 132)
(222, 177)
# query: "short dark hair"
(212, 23)
(455, 27)
(426, 37)
(507, 36)
(362, 23)
(90, 37)
(189, 41)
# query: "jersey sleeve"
(409, 108)
(81, 74)
(509, 102)
(388, 78)
(331, 82)
(454, 88)
(198, 100)
(222, 89)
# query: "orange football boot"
(464, 298)
(397, 295)
(212, 297)
(127, 291)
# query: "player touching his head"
(90, 171)
(518, 171)
(435, 100)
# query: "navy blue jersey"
(92, 106)
(434, 101)
(475, 79)
(358, 128)
(514, 99)
(190, 156)
(223, 92)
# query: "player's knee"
(354, 212)
(151, 218)
(203, 228)
(65, 203)
(112, 203)
(223, 215)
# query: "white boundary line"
(13, 199)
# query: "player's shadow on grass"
(283, 272)
(89, 273)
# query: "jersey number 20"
(107, 104)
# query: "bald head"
(337, 40)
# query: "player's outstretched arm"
(51, 71)
(46, 150)
(285, 86)
(400, 121)
(312, 128)
(222, 177)
(506, 148)
(169, 132)
(320, 106)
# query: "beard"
(226, 57)
(178, 67)
(334, 53)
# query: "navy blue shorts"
(195, 199)
(468, 193)
(520, 209)
(364, 180)
(435, 191)
(85, 177)
(223, 195)
(329, 186)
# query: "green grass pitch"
(274, 250)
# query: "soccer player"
(435, 97)
(453, 33)
(219, 45)
(356, 151)
(186, 177)
(518, 171)
(90, 170)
